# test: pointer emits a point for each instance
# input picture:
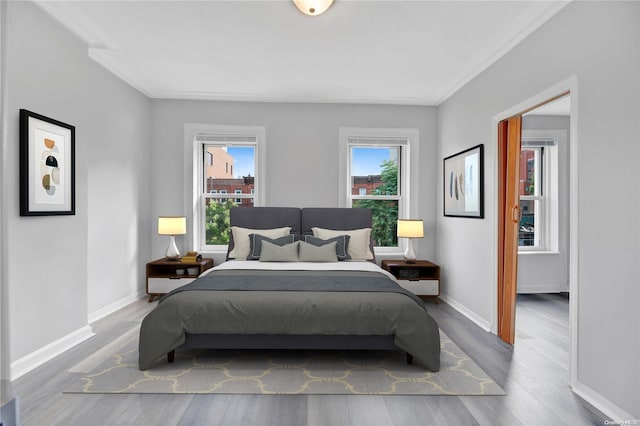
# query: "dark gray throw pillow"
(342, 244)
(255, 244)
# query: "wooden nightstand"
(162, 276)
(422, 277)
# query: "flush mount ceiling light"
(313, 7)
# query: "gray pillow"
(273, 253)
(342, 244)
(312, 253)
(255, 243)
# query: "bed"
(261, 298)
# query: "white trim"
(4, 142)
(539, 13)
(389, 252)
(616, 415)
(46, 353)
(539, 252)
(77, 22)
(570, 85)
(574, 277)
(115, 306)
(104, 57)
(477, 319)
(71, 17)
(301, 99)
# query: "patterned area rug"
(284, 372)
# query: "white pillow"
(241, 244)
(358, 243)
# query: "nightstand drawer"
(422, 287)
(165, 285)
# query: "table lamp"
(172, 225)
(410, 229)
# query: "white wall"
(598, 43)
(58, 270)
(540, 272)
(302, 152)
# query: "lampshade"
(313, 7)
(172, 225)
(410, 228)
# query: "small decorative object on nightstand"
(164, 275)
(420, 277)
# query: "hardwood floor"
(533, 373)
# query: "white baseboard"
(35, 359)
(481, 322)
(616, 414)
(109, 309)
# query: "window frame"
(407, 177)
(546, 194)
(194, 169)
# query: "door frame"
(569, 85)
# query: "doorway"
(534, 180)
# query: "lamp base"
(409, 253)
(172, 252)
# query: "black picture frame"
(47, 166)
(463, 183)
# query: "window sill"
(383, 252)
(539, 252)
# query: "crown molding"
(100, 46)
(104, 58)
(538, 14)
(249, 97)
(76, 22)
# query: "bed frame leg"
(409, 358)
(171, 356)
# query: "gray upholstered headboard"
(263, 218)
(334, 218)
(300, 220)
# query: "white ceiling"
(393, 52)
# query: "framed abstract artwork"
(47, 166)
(464, 183)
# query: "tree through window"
(375, 184)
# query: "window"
(216, 209)
(376, 162)
(538, 187)
(228, 162)
(531, 197)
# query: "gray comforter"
(291, 302)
